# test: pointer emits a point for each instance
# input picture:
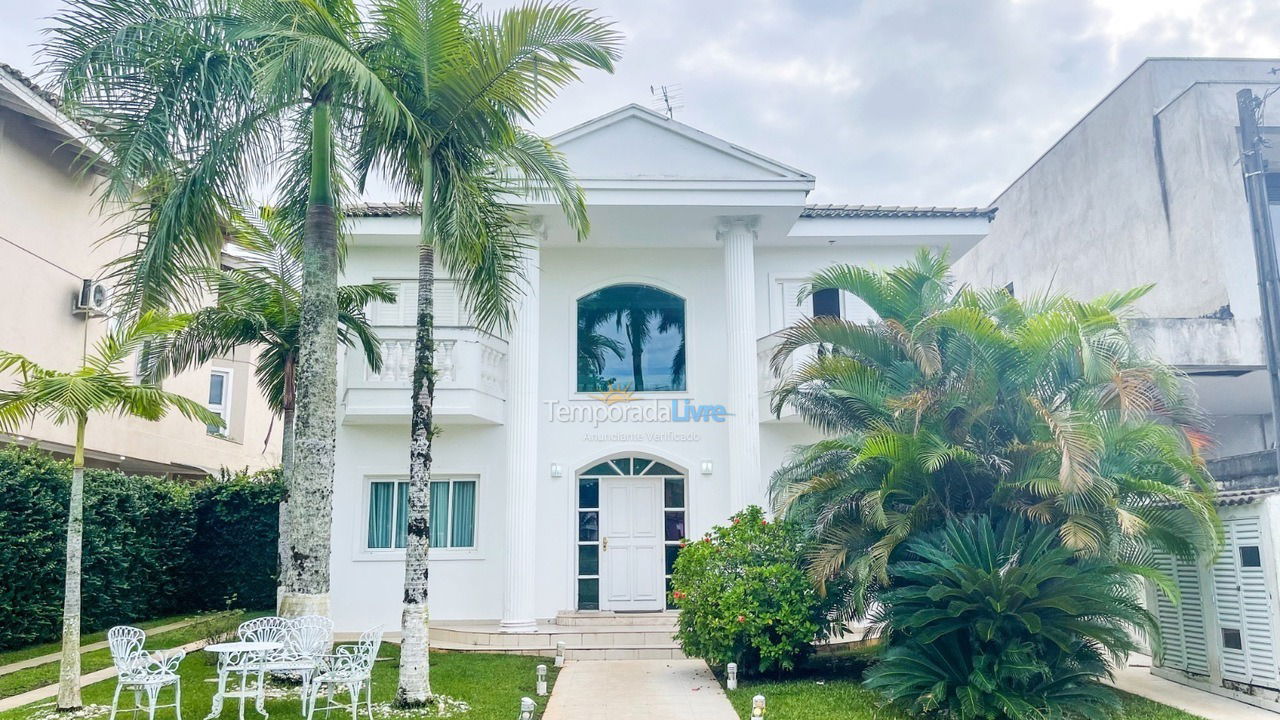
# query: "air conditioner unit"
(93, 299)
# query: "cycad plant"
(469, 80)
(100, 386)
(258, 305)
(199, 104)
(1000, 620)
(960, 402)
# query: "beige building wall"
(50, 232)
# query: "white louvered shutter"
(853, 309)
(1182, 626)
(792, 312)
(1244, 606)
(402, 312)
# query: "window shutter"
(1244, 605)
(1182, 626)
(855, 310)
(792, 312)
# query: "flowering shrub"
(744, 597)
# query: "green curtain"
(462, 530)
(402, 514)
(380, 517)
(440, 514)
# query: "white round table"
(245, 659)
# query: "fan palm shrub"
(101, 385)
(469, 80)
(1001, 620)
(963, 401)
(199, 104)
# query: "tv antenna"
(667, 99)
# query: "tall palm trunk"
(288, 418)
(415, 666)
(309, 484)
(69, 667)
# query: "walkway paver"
(55, 656)
(638, 690)
(1137, 679)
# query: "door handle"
(604, 546)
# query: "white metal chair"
(142, 671)
(350, 668)
(302, 640)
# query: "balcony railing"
(471, 377)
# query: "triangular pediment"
(634, 142)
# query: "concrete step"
(624, 652)
(548, 635)
(611, 619)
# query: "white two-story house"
(553, 492)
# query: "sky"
(897, 102)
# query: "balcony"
(471, 378)
(765, 347)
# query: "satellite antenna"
(667, 99)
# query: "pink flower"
(742, 618)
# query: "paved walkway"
(49, 691)
(55, 656)
(1137, 679)
(638, 690)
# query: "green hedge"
(152, 547)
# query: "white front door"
(631, 575)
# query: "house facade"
(52, 254)
(627, 407)
(1146, 189)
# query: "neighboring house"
(51, 226)
(1147, 188)
(571, 461)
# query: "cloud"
(932, 102)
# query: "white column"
(746, 486)
(522, 450)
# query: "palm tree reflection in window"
(631, 336)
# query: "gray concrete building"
(1146, 189)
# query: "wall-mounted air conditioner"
(93, 299)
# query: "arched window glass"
(631, 337)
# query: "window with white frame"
(220, 400)
(446, 306)
(453, 513)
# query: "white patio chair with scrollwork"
(302, 640)
(143, 671)
(350, 668)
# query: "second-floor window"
(446, 307)
(220, 400)
(631, 336)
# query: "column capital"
(726, 224)
(537, 228)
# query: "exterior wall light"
(731, 676)
(757, 706)
(556, 470)
(707, 467)
(542, 679)
(527, 707)
(560, 654)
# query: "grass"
(491, 685)
(30, 651)
(31, 678)
(829, 688)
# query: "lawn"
(491, 685)
(828, 689)
(33, 677)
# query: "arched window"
(631, 336)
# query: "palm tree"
(468, 81)
(199, 102)
(258, 303)
(99, 385)
(975, 402)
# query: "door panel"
(631, 544)
(1244, 606)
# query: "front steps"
(586, 635)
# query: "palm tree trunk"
(309, 484)
(634, 337)
(415, 666)
(69, 667)
(288, 417)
